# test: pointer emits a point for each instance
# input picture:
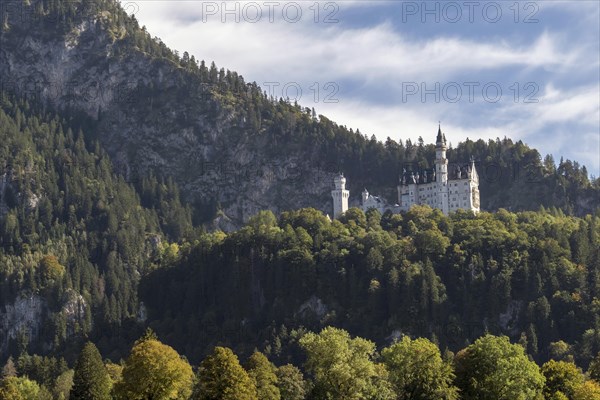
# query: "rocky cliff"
(153, 115)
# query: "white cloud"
(377, 59)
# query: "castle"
(437, 187)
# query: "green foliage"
(78, 235)
(589, 390)
(51, 270)
(426, 274)
(90, 379)
(16, 388)
(220, 376)
(76, 228)
(62, 385)
(291, 383)
(342, 367)
(561, 377)
(417, 370)
(263, 373)
(154, 370)
(493, 368)
(42, 369)
(594, 369)
(419, 272)
(115, 372)
(9, 390)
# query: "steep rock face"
(24, 316)
(151, 115)
(27, 314)
(74, 311)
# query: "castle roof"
(441, 138)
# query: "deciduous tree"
(493, 368)
(561, 377)
(262, 372)
(291, 383)
(221, 376)
(155, 371)
(417, 370)
(342, 367)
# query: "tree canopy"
(220, 376)
(493, 368)
(417, 371)
(155, 370)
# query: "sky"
(527, 70)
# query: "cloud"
(370, 62)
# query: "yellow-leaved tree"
(155, 371)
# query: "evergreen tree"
(9, 368)
(90, 380)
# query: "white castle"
(435, 187)
(340, 196)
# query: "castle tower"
(441, 162)
(365, 196)
(441, 171)
(340, 196)
(474, 186)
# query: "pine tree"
(91, 380)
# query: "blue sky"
(527, 70)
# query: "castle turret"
(473, 173)
(474, 186)
(340, 196)
(365, 196)
(441, 172)
(441, 162)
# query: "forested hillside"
(533, 276)
(140, 188)
(228, 146)
(74, 236)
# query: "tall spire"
(441, 138)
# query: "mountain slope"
(74, 238)
(223, 141)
